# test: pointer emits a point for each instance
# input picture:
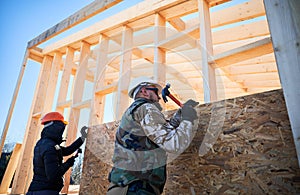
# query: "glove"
(188, 111)
(70, 162)
(191, 102)
(175, 120)
(83, 132)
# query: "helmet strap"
(48, 124)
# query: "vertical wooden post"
(284, 24)
(10, 169)
(98, 101)
(209, 77)
(32, 129)
(13, 101)
(57, 60)
(65, 79)
(124, 74)
(159, 54)
(77, 98)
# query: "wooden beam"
(125, 72)
(179, 39)
(159, 66)
(13, 101)
(35, 54)
(83, 104)
(107, 89)
(79, 81)
(246, 52)
(10, 169)
(177, 23)
(52, 83)
(237, 13)
(241, 12)
(241, 32)
(76, 18)
(98, 100)
(208, 71)
(21, 177)
(141, 10)
(284, 24)
(252, 68)
(65, 79)
(64, 104)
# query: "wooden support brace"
(10, 169)
(13, 101)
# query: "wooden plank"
(21, 178)
(83, 104)
(13, 101)
(257, 77)
(98, 100)
(10, 169)
(65, 79)
(262, 83)
(209, 77)
(177, 23)
(241, 32)
(221, 48)
(76, 18)
(125, 72)
(52, 83)
(159, 66)
(252, 68)
(246, 52)
(79, 81)
(244, 11)
(64, 104)
(35, 54)
(237, 13)
(179, 39)
(284, 24)
(141, 10)
(107, 89)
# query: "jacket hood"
(54, 131)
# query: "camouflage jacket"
(142, 141)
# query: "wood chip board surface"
(254, 152)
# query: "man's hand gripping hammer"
(165, 92)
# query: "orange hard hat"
(53, 116)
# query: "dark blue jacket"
(48, 166)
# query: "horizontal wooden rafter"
(76, 18)
(245, 52)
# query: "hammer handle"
(175, 100)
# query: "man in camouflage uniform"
(144, 138)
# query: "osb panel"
(254, 153)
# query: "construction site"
(239, 59)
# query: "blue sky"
(20, 22)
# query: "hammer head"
(165, 92)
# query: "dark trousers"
(140, 188)
(43, 192)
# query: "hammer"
(165, 92)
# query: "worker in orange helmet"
(48, 165)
